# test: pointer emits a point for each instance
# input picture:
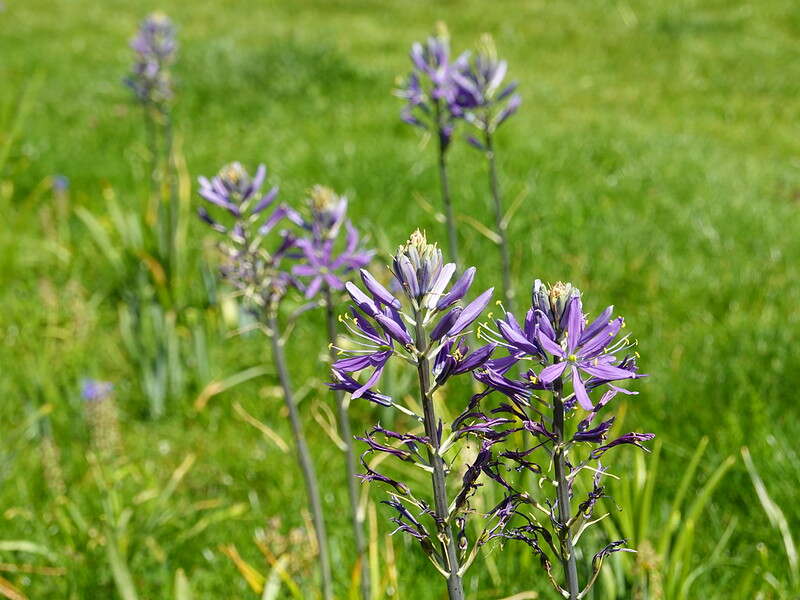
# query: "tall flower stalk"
(427, 331)
(258, 274)
(150, 79)
(430, 93)
(551, 406)
(325, 272)
(484, 102)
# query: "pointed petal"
(552, 372)
(580, 390)
(471, 312)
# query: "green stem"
(303, 455)
(350, 457)
(455, 588)
(564, 535)
(452, 236)
(499, 223)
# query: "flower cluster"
(154, 46)
(430, 89)
(321, 265)
(426, 325)
(567, 358)
(246, 216)
(439, 91)
(380, 329)
(481, 98)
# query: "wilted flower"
(154, 46)
(318, 251)
(245, 221)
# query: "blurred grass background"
(657, 155)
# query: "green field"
(656, 159)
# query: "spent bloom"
(246, 216)
(154, 47)
(430, 90)
(322, 262)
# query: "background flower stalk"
(325, 271)
(430, 94)
(246, 219)
(482, 101)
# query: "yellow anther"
(490, 315)
(572, 358)
(330, 345)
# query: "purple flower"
(237, 199)
(378, 327)
(480, 96)
(584, 350)
(154, 46)
(430, 90)
(347, 384)
(321, 262)
(93, 390)
(455, 358)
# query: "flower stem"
(499, 223)
(455, 588)
(452, 238)
(564, 535)
(350, 458)
(173, 209)
(303, 455)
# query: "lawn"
(657, 166)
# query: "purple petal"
(376, 374)
(548, 344)
(445, 323)
(268, 199)
(599, 323)
(607, 372)
(475, 359)
(394, 329)
(551, 372)
(471, 312)
(363, 301)
(458, 291)
(574, 323)
(580, 390)
(378, 291)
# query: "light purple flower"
(430, 90)
(322, 263)
(585, 350)
(480, 96)
(379, 328)
(242, 216)
(93, 390)
(154, 47)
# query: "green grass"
(657, 153)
